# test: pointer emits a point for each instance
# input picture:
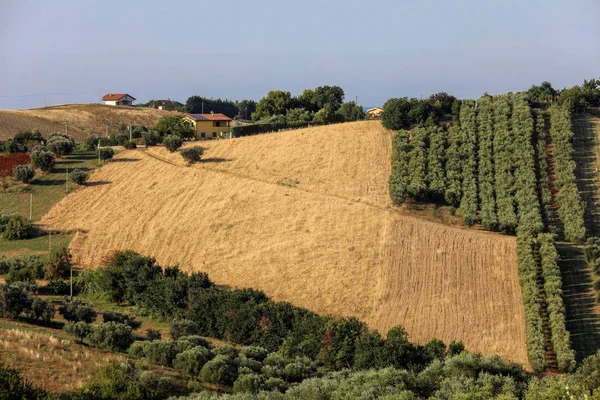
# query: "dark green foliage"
(172, 142)
(220, 370)
(153, 334)
(191, 362)
(503, 162)
(176, 125)
(592, 254)
(42, 158)
(114, 316)
(24, 173)
(541, 95)
(58, 264)
(59, 287)
(403, 113)
(561, 340)
(14, 227)
(80, 330)
(76, 310)
(485, 132)
(14, 387)
(442, 101)
(398, 182)
(192, 154)
(455, 348)
(118, 139)
(60, 144)
(542, 157)
(454, 165)
(436, 159)
(249, 383)
(183, 327)
(351, 111)
(151, 138)
(92, 141)
(129, 145)
(18, 298)
(194, 105)
(533, 320)
(106, 153)
(275, 102)
(468, 202)
(161, 352)
(24, 268)
(417, 163)
(569, 201)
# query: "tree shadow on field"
(215, 160)
(98, 183)
(118, 160)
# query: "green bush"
(24, 173)
(79, 176)
(220, 370)
(76, 310)
(112, 336)
(153, 334)
(92, 141)
(42, 158)
(59, 287)
(106, 153)
(249, 383)
(129, 145)
(24, 268)
(14, 387)
(58, 264)
(192, 154)
(183, 327)
(114, 316)
(190, 362)
(18, 298)
(151, 138)
(60, 144)
(15, 227)
(172, 142)
(161, 352)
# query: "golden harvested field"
(83, 119)
(304, 216)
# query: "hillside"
(304, 215)
(82, 119)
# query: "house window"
(214, 134)
(203, 135)
(218, 123)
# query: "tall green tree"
(274, 103)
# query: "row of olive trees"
(454, 164)
(561, 339)
(527, 268)
(542, 157)
(468, 202)
(485, 131)
(503, 161)
(398, 181)
(569, 201)
(528, 206)
(592, 256)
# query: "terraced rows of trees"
(493, 164)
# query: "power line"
(46, 93)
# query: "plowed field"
(304, 215)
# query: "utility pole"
(67, 178)
(44, 99)
(30, 206)
(356, 100)
(130, 131)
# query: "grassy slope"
(83, 119)
(304, 215)
(47, 190)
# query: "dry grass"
(54, 364)
(83, 119)
(330, 242)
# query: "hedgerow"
(527, 269)
(398, 181)
(417, 163)
(468, 202)
(542, 157)
(485, 126)
(436, 159)
(454, 164)
(569, 201)
(561, 340)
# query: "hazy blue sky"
(241, 49)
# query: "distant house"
(374, 113)
(118, 99)
(211, 126)
(162, 104)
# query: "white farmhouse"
(118, 99)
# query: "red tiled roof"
(115, 96)
(209, 117)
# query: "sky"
(72, 50)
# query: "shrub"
(9, 161)
(58, 264)
(40, 309)
(14, 227)
(153, 334)
(59, 287)
(92, 141)
(172, 142)
(79, 176)
(190, 362)
(24, 173)
(106, 153)
(195, 340)
(220, 370)
(113, 316)
(192, 154)
(161, 352)
(151, 138)
(24, 268)
(14, 387)
(76, 310)
(183, 327)
(60, 144)
(112, 336)
(249, 383)
(255, 352)
(129, 145)
(42, 158)
(138, 349)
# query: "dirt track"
(304, 216)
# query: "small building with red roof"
(118, 99)
(210, 126)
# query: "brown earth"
(83, 119)
(304, 215)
